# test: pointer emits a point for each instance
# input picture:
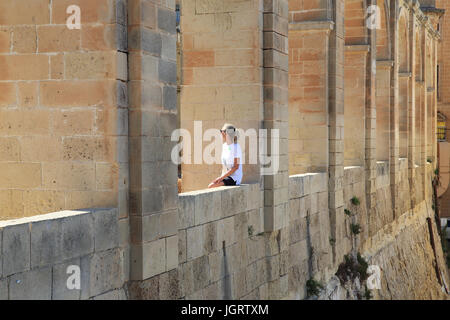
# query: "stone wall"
(63, 116)
(71, 138)
(36, 253)
(223, 251)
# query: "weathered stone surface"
(169, 285)
(16, 249)
(46, 242)
(4, 289)
(31, 285)
(60, 276)
(78, 236)
(105, 272)
(106, 229)
(171, 253)
(144, 290)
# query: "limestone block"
(284, 287)
(147, 289)
(105, 270)
(150, 41)
(218, 263)
(186, 279)
(213, 291)
(150, 259)
(314, 203)
(78, 235)
(16, 249)
(167, 20)
(255, 219)
(210, 237)
(195, 246)
(294, 209)
(168, 50)
(297, 230)
(298, 252)
(5, 39)
(168, 223)
(200, 268)
(233, 201)
(169, 285)
(319, 182)
(296, 184)
(167, 71)
(253, 196)
(9, 98)
(46, 242)
(106, 229)
(31, 285)
(239, 284)
(20, 175)
(208, 206)
(4, 289)
(182, 246)
(60, 276)
(225, 232)
(124, 232)
(172, 252)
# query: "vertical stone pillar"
(435, 103)
(275, 32)
(336, 124)
(424, 113)
(412, 106)
(152, 119)
(394, 111)
(371, 122)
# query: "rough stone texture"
(60, 240)
(16, 249)
(60, 291)
(106, 230)
(4, 289)
(272, 64)
(31, 285)
(82, 74)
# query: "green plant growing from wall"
(348, 212)
(353, 268)
(363, 265)
(251, 233)
(313, 287)
(332, 241)
(355, 201)
(355, 228)
(250, 230)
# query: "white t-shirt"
(229, 152)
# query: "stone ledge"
(207, 205)
(301, 185)
(36, 251)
